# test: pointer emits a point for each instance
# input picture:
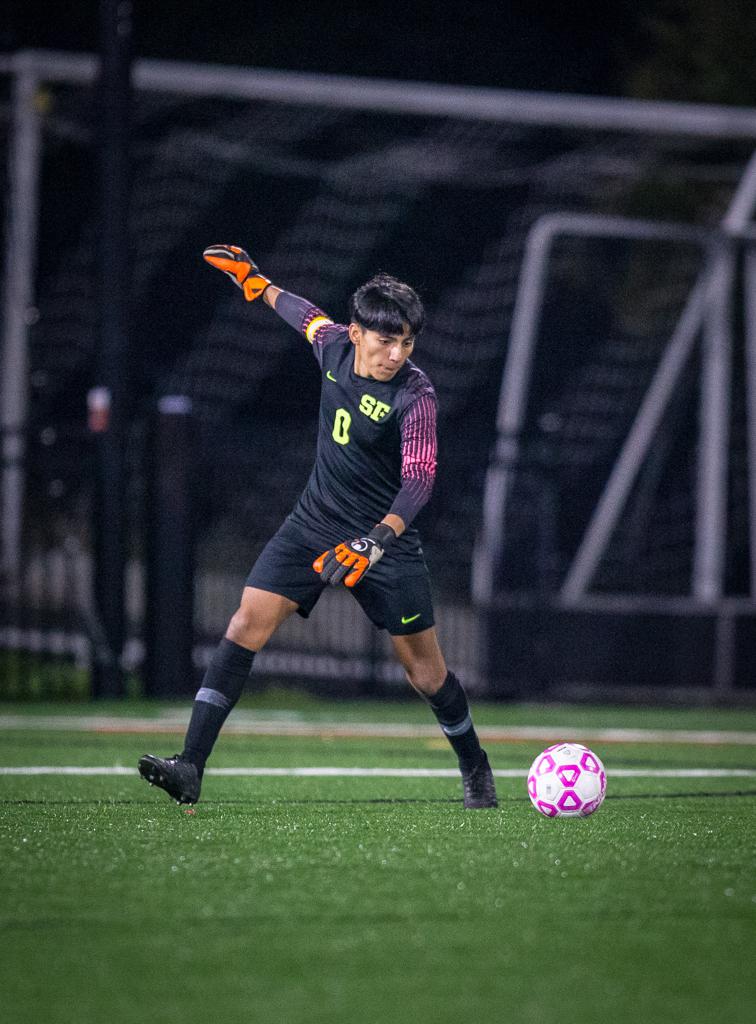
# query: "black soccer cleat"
(178, 777)
(479, 786)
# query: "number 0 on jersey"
(341, 424)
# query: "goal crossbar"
(476, 103)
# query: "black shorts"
(395, 597)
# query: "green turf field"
(373, 899)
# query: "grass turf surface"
(375, 899)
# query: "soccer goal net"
(326, 182)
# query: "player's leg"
(421, 658)
(259, 615)
(281, 582)
(397, 597)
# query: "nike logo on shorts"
(330, 376)
(406, 619)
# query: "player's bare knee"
(424, 678)
(246, 630)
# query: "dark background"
(664, 49)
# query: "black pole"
(108, 396)
(169, 622)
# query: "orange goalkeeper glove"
(348, 562)
(240, 267)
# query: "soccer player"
(352, 525)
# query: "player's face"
(380, 355)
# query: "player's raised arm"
(299, 313)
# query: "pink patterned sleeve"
(418, 433)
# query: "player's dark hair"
(386, 305)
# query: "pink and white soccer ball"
(567, 780)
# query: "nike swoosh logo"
(406, 619)
(330, 376)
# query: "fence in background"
(50, 636)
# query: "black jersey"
(376, 448)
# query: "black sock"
(451, 709)
(221, 688)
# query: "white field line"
(247, 726)
(401, 773)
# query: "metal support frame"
(707, 309)
(517, 368)
(714, 429)
(749, 292)
(20, 259)
(637, 444)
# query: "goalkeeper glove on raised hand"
(348, 562)
(240, 267)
